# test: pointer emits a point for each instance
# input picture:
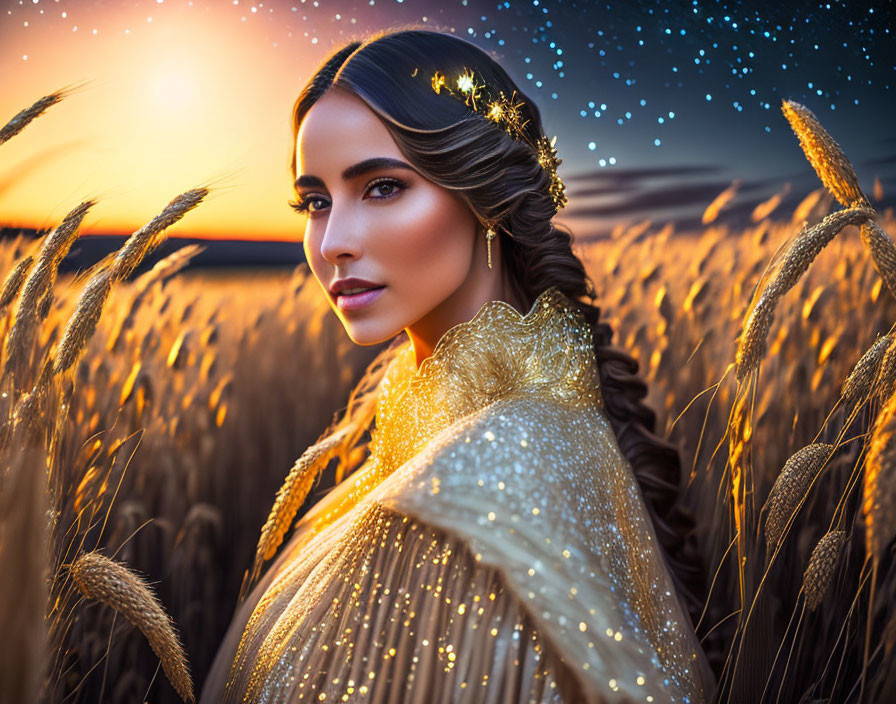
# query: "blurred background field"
(216, 380)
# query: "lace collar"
(498, 354)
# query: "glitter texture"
(493, 547)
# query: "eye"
(303, 206)
(389, 183)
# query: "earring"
(489, 236)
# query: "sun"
(172, 90)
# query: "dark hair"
(502, 181)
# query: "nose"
(342, 238)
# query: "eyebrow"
(362, 167)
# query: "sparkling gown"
(494, 547)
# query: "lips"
(351, 282)
(358, 289)
(356, 301)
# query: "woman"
(495, 544)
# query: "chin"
(368, 333)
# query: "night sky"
(657, 106)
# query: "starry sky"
(657, 106)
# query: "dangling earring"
(489, 236)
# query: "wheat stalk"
(110, 582)
(751, 347)
(885, 378)
(809, 243)
(83, 322)
(817, 576)
(790, 487)
(861, 378)
(20, 121)
(150, 235)
(825, 155)
(167, 267)
(883, 252)
(805, 247)
(20, 340)
(879, 497)
(14, 281)
(292, 495)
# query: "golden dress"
(494, 546)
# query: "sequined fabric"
(494, 547)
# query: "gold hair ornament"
(505, 112)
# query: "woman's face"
(381, 221)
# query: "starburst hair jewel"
(505, 112)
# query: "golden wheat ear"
(83, 322)
(290, 497)
(860, 381)
(148, 237)
(14, 281)
(35, 287)
(790, 487)
(825, 155)
(110, 582)
(822, 561)
(885, 376)
(20, 121)
(883, 252)
(805, 247)
(879, 487)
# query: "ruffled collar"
(498, 354)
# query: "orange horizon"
(173, 232)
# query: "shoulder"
(540, 490)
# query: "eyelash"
(302, 206)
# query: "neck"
(460, 306)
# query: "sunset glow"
(167, 106)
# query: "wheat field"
(149, 421)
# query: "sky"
(657, 106)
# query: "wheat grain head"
(879, 486)
(885, 378)
(292, 495)
(167, 267)
(82, 324)
(861, 378)
(751, 345)
(39, 282)
(817, 577)
(14, 281)
(790, 487)
(21, 120)
(825, 155)
(809, 243)
(802, 251)
(113, 584)
(883, 252)
(150, 235)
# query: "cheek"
(428, 230)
